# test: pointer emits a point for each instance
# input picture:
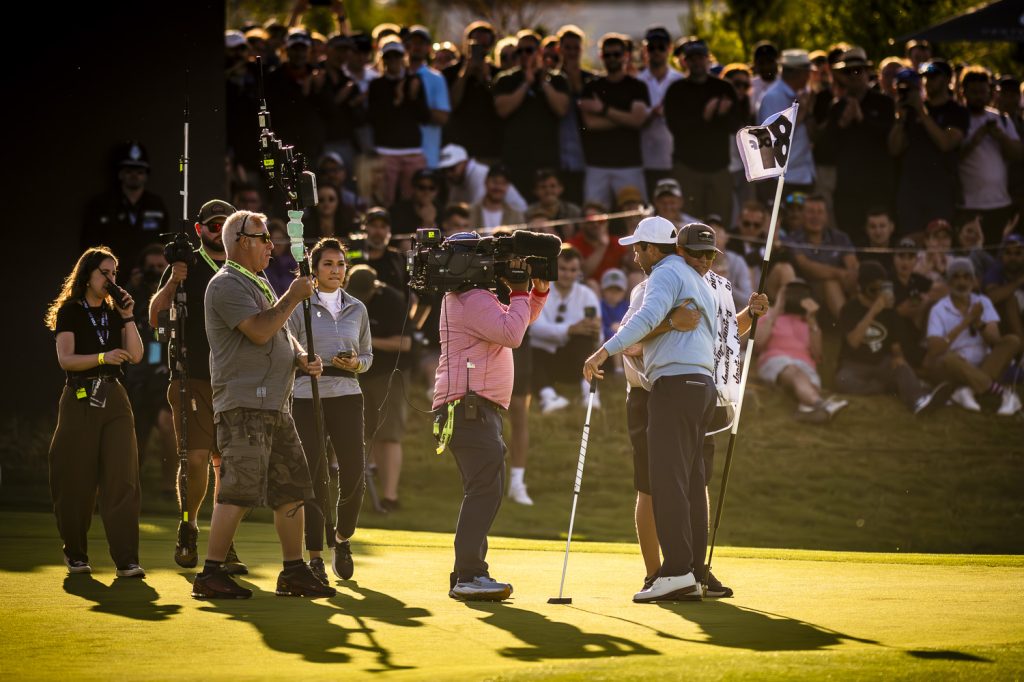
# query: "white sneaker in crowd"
(1011, 403)
(517, 492)
(964, 397)
(551, 401)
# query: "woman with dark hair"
(341, 332)
(330, 217)
(94, 444)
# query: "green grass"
(797, 614)
(876, 479)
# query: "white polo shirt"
(944, 316)
(551, 329)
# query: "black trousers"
(562, 366)
(680, 410)
(94, 448)
(479, 452)
(343, 423)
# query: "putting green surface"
(796, 614)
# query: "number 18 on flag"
(765, 148)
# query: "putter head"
(560, 600)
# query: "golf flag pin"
(765, 148)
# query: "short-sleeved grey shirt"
(242, 373)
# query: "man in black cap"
(376, 252)
(194, 356)
(702, 115)
(127, 218)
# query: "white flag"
(765, 148)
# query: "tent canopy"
(1000, 21)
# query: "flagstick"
(747, 358)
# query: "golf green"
(795, 614)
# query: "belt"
(335, 372)
(82, 382)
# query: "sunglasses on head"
(561, 314)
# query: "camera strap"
(263, 286)
(209, 261)
(443, 434)
(102, 328)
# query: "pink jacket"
(477, 328)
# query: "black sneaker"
(716, 590)
(342, 564)
(319, 570)
(299, 581)
(131, 571)
(77, 566)
(185, 553)
(232, 564)
(218, 585)
(390, 505)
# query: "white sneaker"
(131, 571)
(1011, 403)
(551, 401)
(833, 404)
(964, 397)
(481, 588)
(672, 588)
(519, 495)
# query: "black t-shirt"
(386, 312)
(531, 131)
(924, 168)
(618, 147)
(878, 340)
(390, 268)
(339, 117)
(474, 123)
(699, 144)
(917, 286)
(397, 127)
(863, 163)
(96, 330)
(197, 345)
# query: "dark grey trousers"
(480, 455)
(680, 410)
(858, 378)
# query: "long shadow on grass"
(546, 639)
(742, 628)
(304, 627)
(128, 597)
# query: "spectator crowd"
(898, 232)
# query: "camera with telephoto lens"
(180, 250)
(439, 265)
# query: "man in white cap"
(467, 179)
(680, 368)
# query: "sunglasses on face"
(526, 50)
(612, 55)
(262, 236)
(701, 255)
(214, 227)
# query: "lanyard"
(209, 261)
(102, 327)
(259, 282)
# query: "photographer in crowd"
(94, 446)
(252, 369)
(202, 441)
(341, 331)
(478, 333)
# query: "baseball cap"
(691, 45)
(330, 156)
(667, 186)
(377, 213)
(958, 265)
(452, 154)
(233, 39)
(629, 194)
(215, 208)
(420, 32)
(908, 76)
(657, 33)
(340, 40)
(614, 277)
(907, 243)
(870, 271)
(392, 46)
(298, 37)
(795, 59)
(938, 225)
(697, 237)
(654, 230)
(362, 280)
(852, 58)
(425, 174)
(936, 66)
(765, 49)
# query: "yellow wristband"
(100, 359)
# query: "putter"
(576, 492)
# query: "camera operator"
(473, 383)
(202, 441)
(252, 370)
(94, 443)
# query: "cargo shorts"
(262, 461)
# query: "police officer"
(128, 217)
(202, 442)
(94, 444)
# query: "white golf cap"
(655, 230)
(452, 154)
(233, 39)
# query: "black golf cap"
(377, 213)
(214, 209)
(697, 237)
